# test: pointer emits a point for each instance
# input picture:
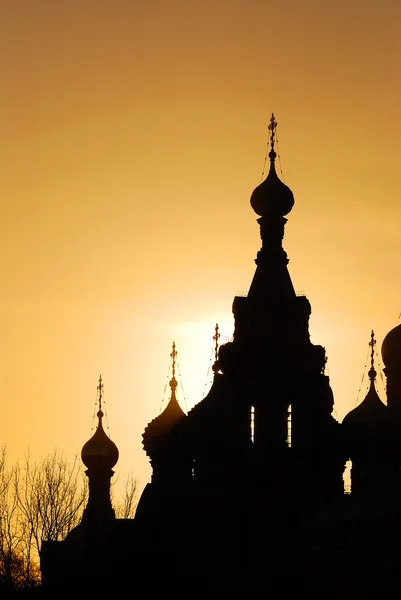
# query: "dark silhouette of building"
(79, 561)
(247, 491)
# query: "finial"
(173, 382)
(372, 373)
(100, 392)
(216, 339)
(173, 355)
(272, 197)
(272, 129)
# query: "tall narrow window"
(289, 414)
(252, 423)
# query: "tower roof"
(172, 414)
(271, 284)
(99, 452)
(272, 196)
(371, 410)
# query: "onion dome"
(272, 197)
(172, 414)
(371, 410)
(391, 348)
(99, 451)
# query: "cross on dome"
(100, 388)
(372, 372)
(272, 128)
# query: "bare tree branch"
(126, 509)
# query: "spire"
(372, 373)
(99, 455)
(272, 197)
(173, 410)
(371, 410)
(173, 407)
(372, 398)
(173, 381)
(272, 129)
(99, 452)
(100, 388)
(172, 414)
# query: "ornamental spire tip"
(372, 372)
(100, 388)
(173, 381)
(272, 129)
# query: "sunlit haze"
(132, 136)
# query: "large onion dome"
(100, 452)
(272, 197)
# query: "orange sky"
(132, 136)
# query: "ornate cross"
(100, 391)
(216, 339)
(372, 344)
(173, 355)
(272, 128)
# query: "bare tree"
(37, 502)
(126, 509)
(7, 539)
(17, 569)
(43, 501)
(51, 497)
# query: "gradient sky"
(132, 136)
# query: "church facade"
(247, 491)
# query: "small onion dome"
(370, 411)
(162, 425)
(272, 196)
(391, 348)
(99, 451)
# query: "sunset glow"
(133, 135)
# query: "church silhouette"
(247, 491)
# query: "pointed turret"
(157, 442)
(99, 455)
(368, 435)
(163, 423)
(281, 372)
(271, 310)
(371, 410)
(272, 199)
